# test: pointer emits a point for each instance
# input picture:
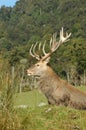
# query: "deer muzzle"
(29, 73)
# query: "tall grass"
(8, 116)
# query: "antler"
(54, 45)
(33, 47)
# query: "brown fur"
(59, 92)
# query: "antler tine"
(54, 36)
(36, 55)
(40, 45)
(62, 38)
(51, 42)
(44, 48)
(31, 51)
(54, 43)
(67, 36)
(53, 39)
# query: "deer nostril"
(29, 72)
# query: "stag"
(57, 90)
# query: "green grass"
(32, 99)
(82, 88)
(58, 118)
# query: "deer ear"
(47, 60)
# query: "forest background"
(31, 21)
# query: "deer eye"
(37, 65)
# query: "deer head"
(41, 66)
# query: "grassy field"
(82, 88)
(47, 117)
(30, 99)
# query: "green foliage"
(36, 20)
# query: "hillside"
(36, 20)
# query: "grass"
(58, 118)
(82, 88)
(31, 99)
(47, 117)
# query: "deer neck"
(48, 74)
(48, 80)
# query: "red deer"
(57, 91)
